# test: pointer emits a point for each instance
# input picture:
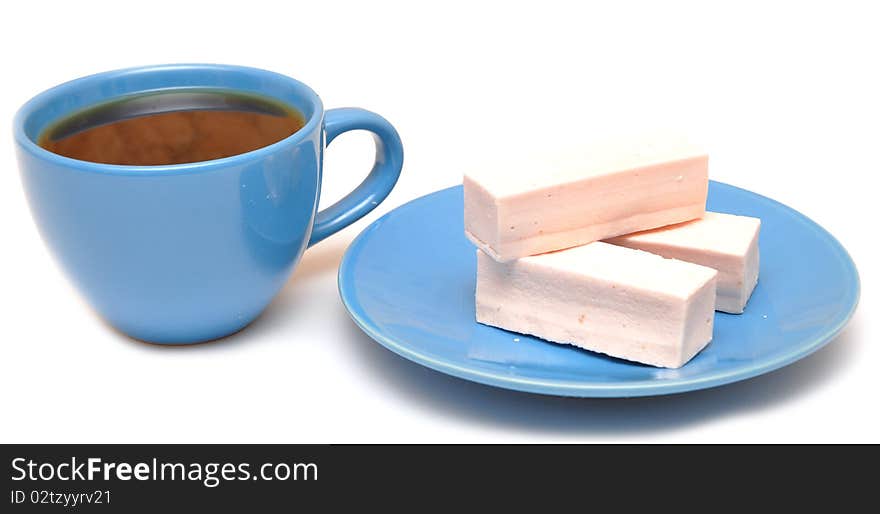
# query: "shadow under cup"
(189, 252)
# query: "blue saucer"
(408, 282)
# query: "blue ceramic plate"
(408, 282)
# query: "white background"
(784, 95)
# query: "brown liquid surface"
(175, 137)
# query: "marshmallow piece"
(567, 200)
(725, 242)
(625, 303)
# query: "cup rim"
(30, 107)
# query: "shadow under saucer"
(599, 416)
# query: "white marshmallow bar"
(625, 303)
(611, 190)
(725, 242)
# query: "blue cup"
(191, 252)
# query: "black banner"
(129, 478)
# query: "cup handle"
(377, 185)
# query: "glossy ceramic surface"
(191, 252)
(408, 281)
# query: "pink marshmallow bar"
(725, 242)
(626, 303)
(565, 201)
